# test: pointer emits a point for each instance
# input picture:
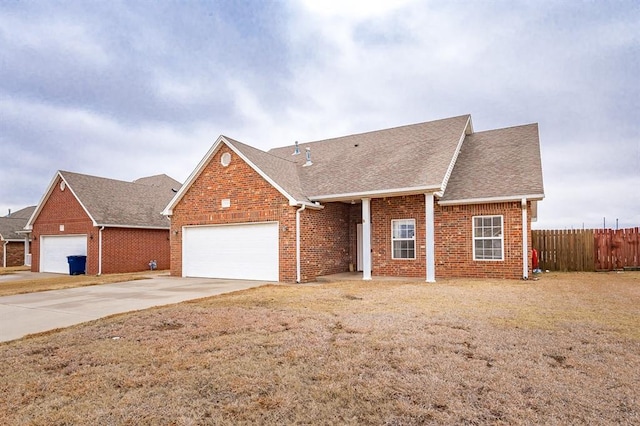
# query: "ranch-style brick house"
(14, 242)
(118, 225)
(430, 200)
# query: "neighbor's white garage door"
(245, 251)
(54, 250)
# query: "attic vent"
(296, 151)
(225, 159)
(308, 153)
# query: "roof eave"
(468, 129)
(489, 200)
(379, 193)
(133, 226)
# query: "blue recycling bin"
(77, 265)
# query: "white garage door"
(246, 251)
(54, 250)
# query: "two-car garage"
(54, 250)
(248, 251)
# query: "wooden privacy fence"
(587, 249)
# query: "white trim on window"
(403, 239)
(488, 237)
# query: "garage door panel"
(54, 250)
(247, 251)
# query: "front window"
(487, 238)
(403, 238)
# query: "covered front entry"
(248, 251)
(54, 250)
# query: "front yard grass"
(561, 350)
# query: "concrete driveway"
(24, 314)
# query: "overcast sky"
(125, 89)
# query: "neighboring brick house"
(14, 242)
(118, 225)
(428, 200)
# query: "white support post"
(366, 239)
(27, 261)
(525, 241)
(430, 238)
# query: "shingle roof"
(436, 156)
(119, 203)
(497, 164)
(412, 156)
(280, 170)
(111, 202)
(24, 213)
(9, 226)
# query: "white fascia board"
(468, 129)
(394, 192)
(47, 194)
(488, 200)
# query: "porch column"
(430, 238)
(525, 241)
(366, 239)
(27, 261)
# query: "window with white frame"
(403, 239)
(488, 240)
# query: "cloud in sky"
(128, 89)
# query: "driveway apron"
(24, 314)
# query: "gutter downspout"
(298, 274)
(430, 242)
(4, 254)
(26, 249)
(366, 239)
(100, 250)
(525, 241)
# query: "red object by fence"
(534, 259)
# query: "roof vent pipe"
(308, 163)
(297, 149)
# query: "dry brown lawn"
(561, 350)
(12, 269)
(58, 282)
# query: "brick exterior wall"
(325, 241)
(383, 211)
(62, 208)
(15, 253)
(454, 239)
(131, 250)
(252, 200)
(123, 249)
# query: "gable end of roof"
(47, 194)
(237, 148)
